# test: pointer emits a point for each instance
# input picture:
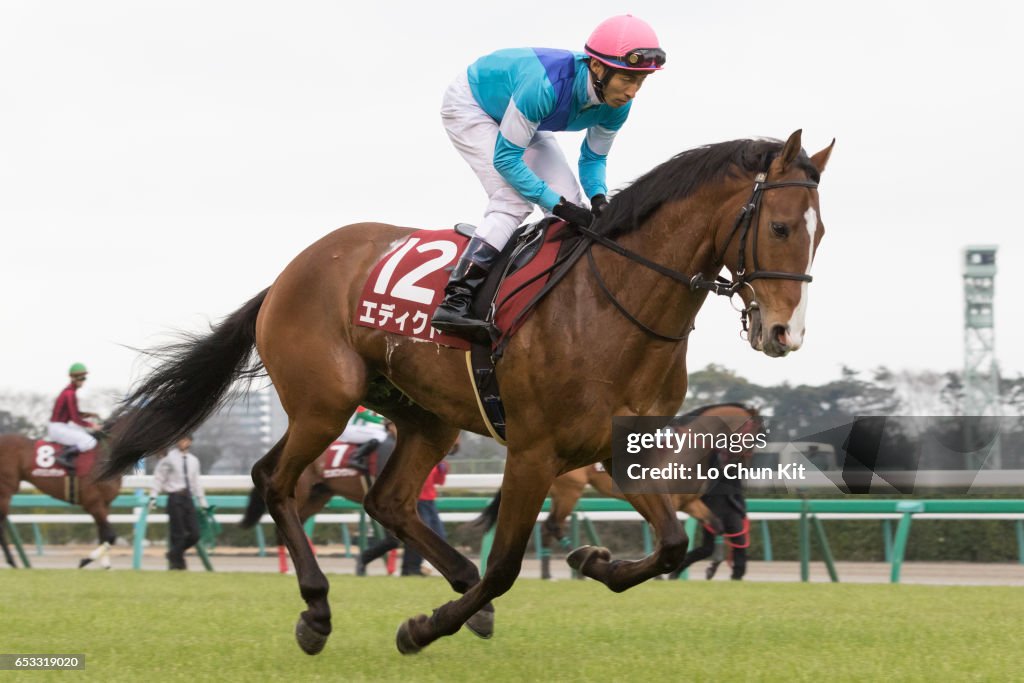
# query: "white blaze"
(796, 323)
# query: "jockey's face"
(78, 380)
(620, 87)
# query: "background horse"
(17, 462)
(312, 493)
(608, 340)
(568, 488)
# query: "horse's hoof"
(310, 640)
(84, 562)
(482, 623)
(584, 555)
(403, 639)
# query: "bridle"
(719, 285)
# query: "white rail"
(815, 480)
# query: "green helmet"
(78, 369)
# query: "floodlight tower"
(981, 372)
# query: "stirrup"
(469, 329)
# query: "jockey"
(367, 430)
(500, 115)
(67, 424)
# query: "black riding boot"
(66, 458)
(360, 460)
(453, 316)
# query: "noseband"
(721, 286)
(742, 226)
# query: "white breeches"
(360, 433)
(71, 434)
(474, 133)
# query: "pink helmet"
(625, 42)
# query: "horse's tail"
(484, 522)
(254, 511)
(188, 385)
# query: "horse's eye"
(780, 229)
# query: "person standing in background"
(426, 507)
(177, 475)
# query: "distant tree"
(30, 410)
(718, 384)
(15, 423)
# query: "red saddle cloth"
(44, 460)
(407, 284)
(334, 461)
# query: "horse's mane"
(683, 174)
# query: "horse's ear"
(790, 151)
(820, 160)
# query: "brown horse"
(312, 492)
(568, 488)
(608, 340)
(18, 463)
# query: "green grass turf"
(223, 627)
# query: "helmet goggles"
(643, 58)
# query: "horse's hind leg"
(276, 474)
(423, 440)
(618, 575)
(526, 483)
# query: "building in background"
(241, 432)
(981, 370)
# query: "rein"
(719, 285)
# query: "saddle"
(44, 460)
(407, 284)
(524, 245)
(44, 464)
(491, 305)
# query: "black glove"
(573, 213)
(598, 203)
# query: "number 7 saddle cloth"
(334, 462)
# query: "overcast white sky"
(161, 162)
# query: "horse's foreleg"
(276, 475)
(3, 541)
(550, 533)
(104, 531)
(107, 539)
(553, 528)
(523, 490)
(619, 575)
(98, 553)
(693, 506)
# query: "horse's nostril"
(780, 334)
